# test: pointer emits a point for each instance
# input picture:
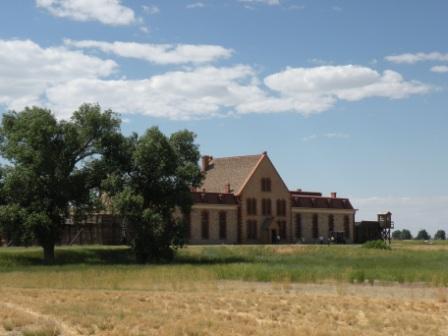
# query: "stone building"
(243, 200)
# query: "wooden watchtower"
(386, 225)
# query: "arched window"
(281, 208)
(347, 227)
(298, 226)
(205, 224)
(265, 184)
(330, 224)
(266, 208)
(251, 229)
(315, 226)
(187, 224)
(222, 225)
(251, 204)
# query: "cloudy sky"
(346, 96)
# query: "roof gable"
(233, 170)
(264, 168)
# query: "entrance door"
(273, 236)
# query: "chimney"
(205, 162)
(333, 195)
(227, 188)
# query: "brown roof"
(310, 201)
(213, 198)
(233, 170)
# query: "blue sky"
(346, 96)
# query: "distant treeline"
(421, 235)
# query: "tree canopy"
(396, 234)
(440, 235)
(406, 234)
(423, 235)
(152, 177)
(51, 169)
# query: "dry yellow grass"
(229, 308)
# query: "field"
(222, 290)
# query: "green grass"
(113, 267)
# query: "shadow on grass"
(10, 259)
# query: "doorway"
(274, 236)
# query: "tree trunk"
(49, 253)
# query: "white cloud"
(195, 5)
(414, 213)
(266, 2)
(337, 135)
(334, 135)
(63, 79)
(110, 12)
(158, 53)
(310, 137)
(440, 69)
(418, 57)
(316, 89)
(151, 9)
(197, 93)
(28, 70)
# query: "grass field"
(222, 290)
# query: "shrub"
(377, 244)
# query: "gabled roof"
(233, 170)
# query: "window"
(347, 227)
(222, 225)
(282, 229)
(251, 229)
(266, 207)
(265, 184)
(330, 224)
(251, 204)
(315, 226)
(187, 225)
(298, 226)
(281, 208)
(204, 225)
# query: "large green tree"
(406, 234)
(440, 235)
(153, 177)
(423, 235)
(53, 169)
(396, 235)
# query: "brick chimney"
(333, 195)
(227, 188)
(206, 162)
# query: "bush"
(377, 244)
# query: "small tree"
(423, 235)
(396, 235)
(440, 235)
(152, 176)
(406, 234)
(51, 170)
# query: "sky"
(345, 96)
